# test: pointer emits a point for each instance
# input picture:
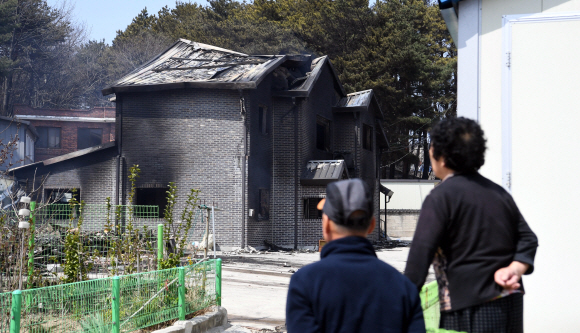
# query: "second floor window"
(48, 137)
(89, 137)
(367, 137)
(310, 210)
(322, 134)
(263, 119)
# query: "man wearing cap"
(350, 289)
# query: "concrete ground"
(254, 286)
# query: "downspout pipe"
(119, 140)
(243, 114)
(296, 113)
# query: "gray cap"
(345, 197)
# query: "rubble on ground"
(390, 244)
(269, 247)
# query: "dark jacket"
(350, 290)
(479, 229)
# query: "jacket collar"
(348, 245)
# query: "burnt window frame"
(263, 116)
(45, 131)
(309, 205)
(326, 145)
(79, 129)
(367, 137)
(61, 209)
(159, 198)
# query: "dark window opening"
(310, 209)
(367, 137)
(150, 197)
(264, 212)
(89, 137)
(263, 119)
(61, 196)
(322, 134)
(58, 201)
(48, 137)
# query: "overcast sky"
(104, 17)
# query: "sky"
(104, 17)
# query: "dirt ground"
(254, 285)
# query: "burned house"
(259, 135)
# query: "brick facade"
(69, 128)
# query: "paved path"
(255, 285)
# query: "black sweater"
(350, 290)
(479, 229)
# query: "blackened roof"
(197, 65)
(359, 101)
(304, 89)
(359, 98)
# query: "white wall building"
(518, 75)
(404, 206)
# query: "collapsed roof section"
(189, 64)
(301, 73)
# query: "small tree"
(77, 263)
(176, 233)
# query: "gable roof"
(188, 64)
(306, 87)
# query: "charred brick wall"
(193, 138)
(258, 227)
(288, 223)
(284, 201)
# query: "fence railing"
(116, 304)
(37, 255)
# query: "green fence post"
(159, 245)
(218, 281)
(115, 305)
(31, 246)
(181, 293)
(15, 311)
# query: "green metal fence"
(5, 302)
(40, 251)
(118, 304)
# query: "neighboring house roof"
(196, 65)
(323, 172)
(66, 118)
(65, 157)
